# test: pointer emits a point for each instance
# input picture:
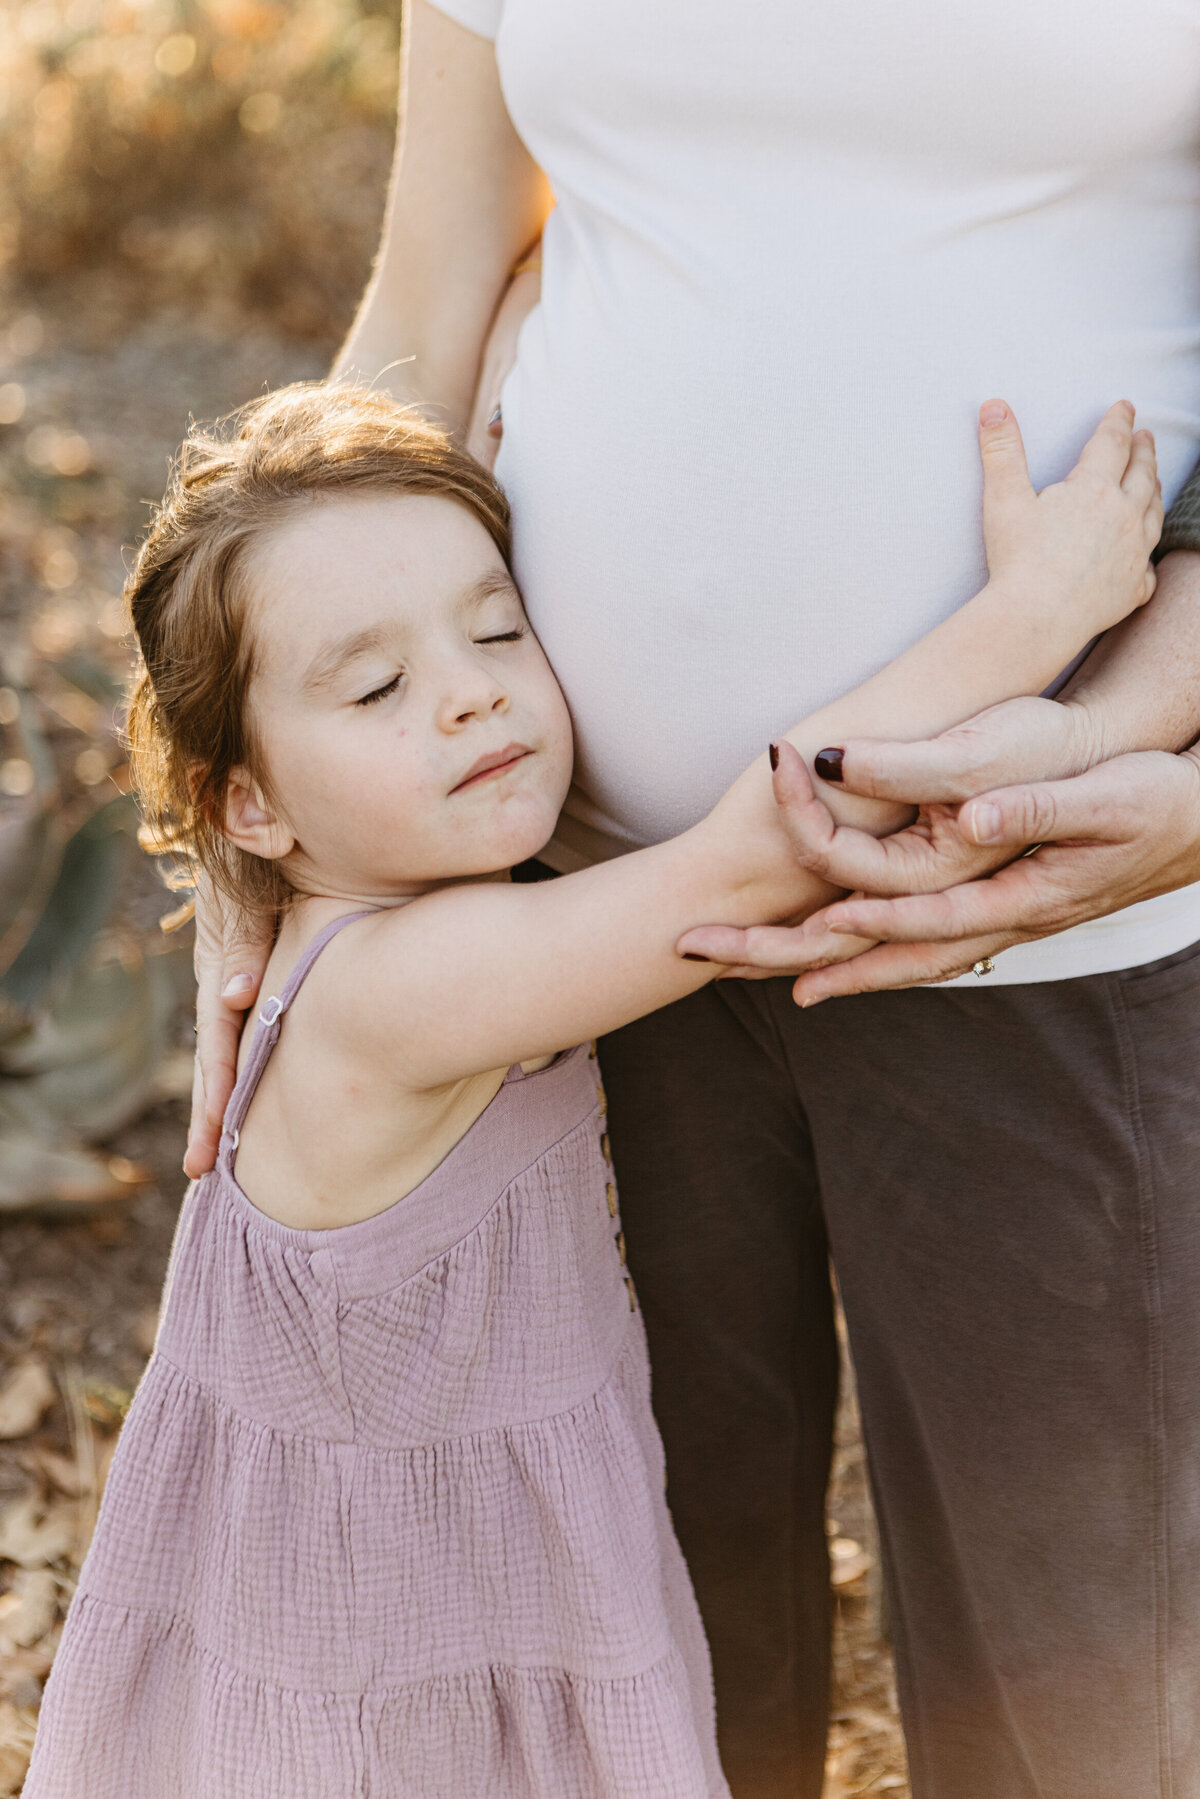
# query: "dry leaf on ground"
(23, 1672)
(61, 1471)
(848, 1561)
(866, 1717)
(17, 1727)
(28, 1611)
(34, 1532)
(25, 1396)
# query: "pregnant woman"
(792, 247)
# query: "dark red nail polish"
(773, 753)
(828, 764)
(689, 955)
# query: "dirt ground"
(94, 396)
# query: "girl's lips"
(487, 766)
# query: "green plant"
(85, 1002)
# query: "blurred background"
(190, 196)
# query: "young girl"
(387, 1517)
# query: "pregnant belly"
(729, 510)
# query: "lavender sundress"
(387, 1518)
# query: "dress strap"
(266, 1034)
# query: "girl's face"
(411, 727)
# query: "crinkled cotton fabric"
(387, 1518)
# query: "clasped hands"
(956, 885)
(925, 903)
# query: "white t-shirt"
(795, 245)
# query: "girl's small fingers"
(1107, 450)
(770, 949)
(1141, 471)
(1154, 519)
(1002, 450)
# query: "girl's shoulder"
(337, 1128)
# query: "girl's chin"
(519, 838)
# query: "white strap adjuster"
(266, 1016)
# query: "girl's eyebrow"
(497, 580)
(332, 658)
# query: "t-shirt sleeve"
(482, 16)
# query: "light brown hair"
(188, 727)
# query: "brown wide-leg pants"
(1010, 1181)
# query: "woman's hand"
(1125, 831)
(1084, 542)
(1018, 740)
(229, 965)
(1122, 832)
(499, 355)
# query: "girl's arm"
(466, 200)
(478, 976)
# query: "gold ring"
(985, 965)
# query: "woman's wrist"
(1109, 721)
(1093, 734)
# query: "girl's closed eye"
(380, 693)
(504, 636)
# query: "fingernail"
(689, 955)
(773, 753)
(495, 416)
(993, 413)
(828, 764)
(806, 1003)
(985, 823)
(238, 984)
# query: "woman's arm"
(478, 976)
(466, 199)
(485, 427)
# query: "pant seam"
(1152, 1283)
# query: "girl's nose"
(476, 696)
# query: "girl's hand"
(229, 969)
(1084, 542)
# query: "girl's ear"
(251, 823)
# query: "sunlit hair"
(188, 719)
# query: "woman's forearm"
(466, 199)
(1140, 687)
